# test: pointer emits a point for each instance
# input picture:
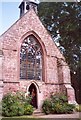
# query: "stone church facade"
(29, 59)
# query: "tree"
(63, 21)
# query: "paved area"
(75, 115)
(0, 117)
(38, 114)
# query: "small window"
(27, 7)
(31, 59)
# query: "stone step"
(38, 112)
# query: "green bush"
(59, 98)
(28, 109)
(78, 108)
(16, 105)
(11, 107)
(28, 100)
(7, 103)
(57, 104)
(20, 96)
(67, 108)
(46, 106)
(20, 108)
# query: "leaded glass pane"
(30, 59)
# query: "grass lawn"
(28, 117)
(31, 117)
(22, 118)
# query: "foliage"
(28, 109)
(59, 97)
(16, 105)
(57, 104)
(20, 96)
(63, 21)
(28, 100)
(11, 107)
(78, 108)
(46, 106)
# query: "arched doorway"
(33, 93)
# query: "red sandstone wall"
(12, 40)
(10, 65)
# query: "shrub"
(20, 96)
(67, 108)
(20, 110)
(7, 103)
(59, 98)
(46, 106)
(78, 108)
(28, 100)
(28, 109)
(16, 105)
(57, 104)
(11, 107)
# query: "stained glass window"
(30, 59)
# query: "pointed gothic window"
(30, 59)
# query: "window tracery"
(31, 59)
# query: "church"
(30, 60)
